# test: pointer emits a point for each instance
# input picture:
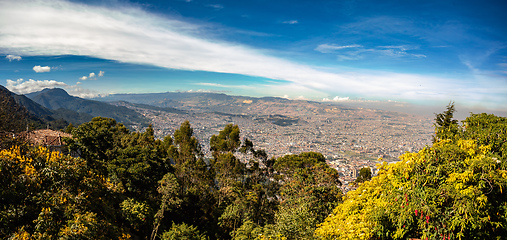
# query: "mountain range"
(56, 108)
(58, 99)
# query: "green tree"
(196, 181)
(96, 141)
(445, 126)
(227, 140)
(189, 148)
(133, 162)
(168, 188)
(183, 232)
(309, 193)
(364, 175)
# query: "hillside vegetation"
(129, 185)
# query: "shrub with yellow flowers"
(451, 190)
(47, 195)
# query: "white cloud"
(39, 69)
(336, 99)
(291, 22)
(92, 76)
(78, 91)
(21, 86)
(129, 34)
(13, 57)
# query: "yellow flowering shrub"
(47, 195)
(452, 190)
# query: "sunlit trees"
(46, 195)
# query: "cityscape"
(349, 138)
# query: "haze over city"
(408, 52)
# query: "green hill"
(60, 101)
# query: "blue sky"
(422, 52)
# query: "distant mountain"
(61, 102)
(202, 102)
(17, 113)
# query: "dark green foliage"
(183, 232)
(445, 126)
(188, 147)
(364, 175)
(169, 191)
(226, 141)
(134, 162)
(289, 163)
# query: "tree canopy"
(129, 185)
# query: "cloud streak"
(129, 34)
(328, 48)
(356, 52)
(291, 22)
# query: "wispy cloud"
(328, 48)
(130, 34)
(291, 22)
(215, 6)
(11, 57)
(39, 69)
(224, 85)
(356, 51)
